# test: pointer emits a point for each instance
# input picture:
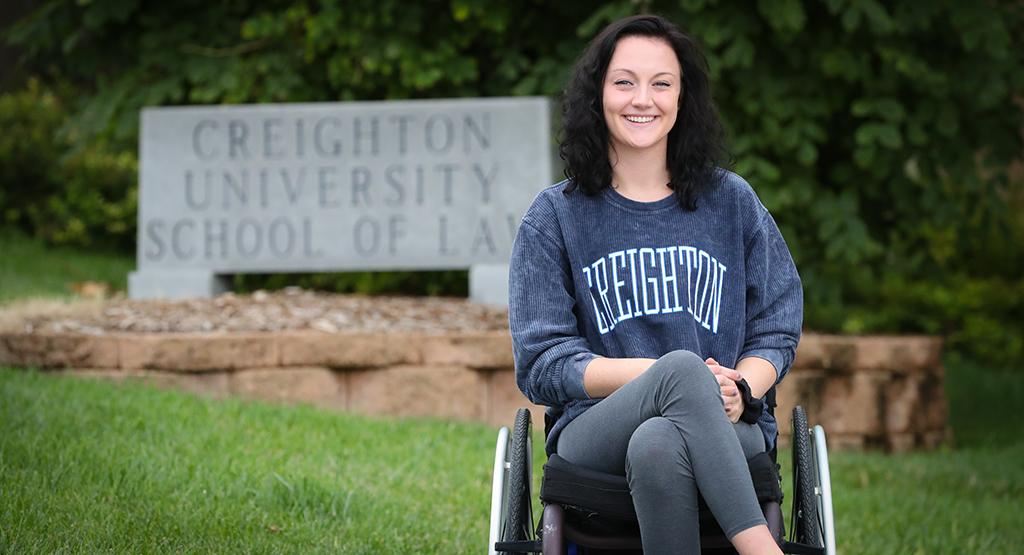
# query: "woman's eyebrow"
(631, 72)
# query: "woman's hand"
(727, 378)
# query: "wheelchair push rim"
(823, 490)
(498, 483)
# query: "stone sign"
(405, 185)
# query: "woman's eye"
(663, 84)
(623, 83)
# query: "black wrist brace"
(752, 406)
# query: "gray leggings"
(668, 433)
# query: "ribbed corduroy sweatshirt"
(604, 275)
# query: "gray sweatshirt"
(608, 276)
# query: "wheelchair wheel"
(806, 527)
(518, 524)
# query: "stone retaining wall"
(866, 391)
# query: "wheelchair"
(587, 512)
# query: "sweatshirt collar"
(613, 196)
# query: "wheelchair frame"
(548, 537)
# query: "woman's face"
(641, 93)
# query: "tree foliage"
(880, 135)
(130, 53)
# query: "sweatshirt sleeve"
(550, 356)
(774, 299)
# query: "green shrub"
(66, 191)
(981, 318)
(98, 203)
(29, 150)
(445, 282)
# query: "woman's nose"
(642, 97)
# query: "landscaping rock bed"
(429, 357)
(289, 309)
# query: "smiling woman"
(651, 287)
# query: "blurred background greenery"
(886, 139)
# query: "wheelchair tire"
(807, 527)
(519, 513)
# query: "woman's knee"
(682, 360)
(657, 453)
(686, 369)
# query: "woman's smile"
(639, 119)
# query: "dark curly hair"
(696, 143)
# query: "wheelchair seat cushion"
(573, 485)
(607, 495)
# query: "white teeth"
(640, 119)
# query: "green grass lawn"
(30, 269)
(90, 466)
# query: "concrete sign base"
(488, 283)
(176, 284)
